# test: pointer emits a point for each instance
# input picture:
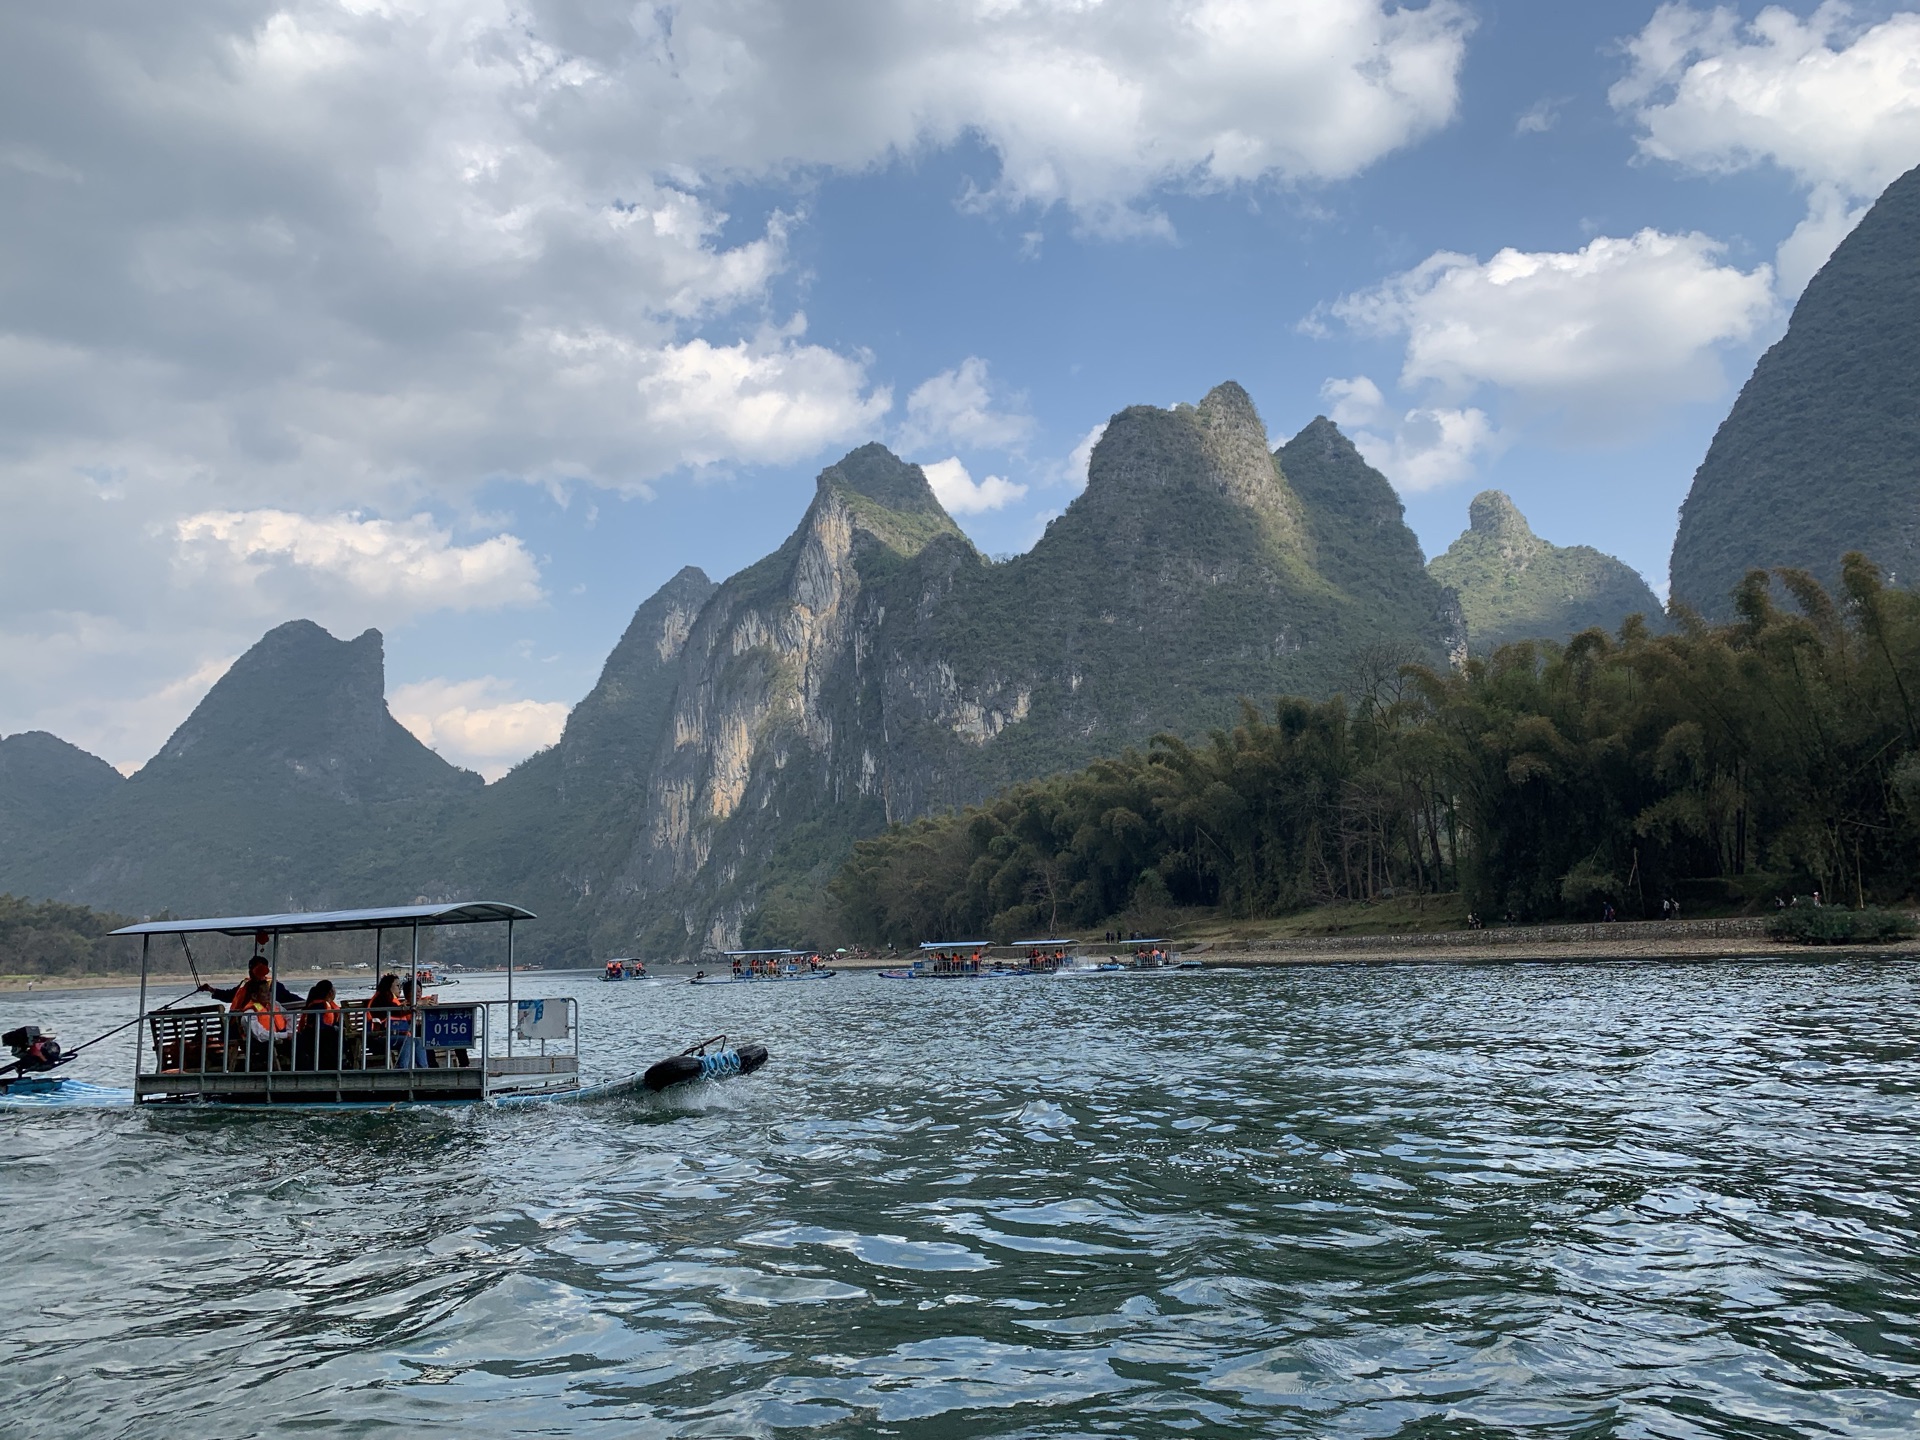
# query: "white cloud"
(479, 724)
(1829, 102)
(1355, 403)
(765, 401)
(1087, 105)
(1423, 448)
(411, 565)
(1834, 104)
(961, 494)
(1829, 221)
(1604, 338)
(1538, 118)
(338, 257)
(957, 407)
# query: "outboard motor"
(704, 1062)
(32, 1051)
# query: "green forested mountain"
(290, 786)
(1515, 586)
(875, 668)
(1776, 754)
(44, 784)
(1821, 453)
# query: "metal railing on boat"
(454, 1053)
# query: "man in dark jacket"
(258, 969)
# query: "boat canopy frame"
(267, 929)
(320, 922)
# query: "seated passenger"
(259, 1022)
(380, 1007)
(316, 1040)
(403, 1033)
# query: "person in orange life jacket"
(259, 1021)
(316, 1041)
(403, 1033)
(257, 969)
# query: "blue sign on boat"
(449, 1029)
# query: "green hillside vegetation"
(1515, 586)
(1773, 754)
(290, 786)
(45, 783)
(743, 736)
(1821, 452)
(49, 938)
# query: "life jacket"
(326, 1013)
(265, 1017)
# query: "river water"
(1433, 1201)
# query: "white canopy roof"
(301, 922)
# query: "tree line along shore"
(1746, 767)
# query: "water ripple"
(1581, 1201)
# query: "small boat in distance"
(760, 967)
(625, 968)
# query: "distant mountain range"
(876, 667)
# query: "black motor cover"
(674, 1070)
(678, 1069)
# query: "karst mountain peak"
(875, 667)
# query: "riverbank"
(1689, 940)
(1557, 952)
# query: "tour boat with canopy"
(764, 966)
(511, 1050)
(954, 960)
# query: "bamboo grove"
(1774, 754)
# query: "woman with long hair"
(316, 1040)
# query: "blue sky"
(475, 323)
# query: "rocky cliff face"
(1821, 452)
(1515, 586)
(876, 667)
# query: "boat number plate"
(449, 1029)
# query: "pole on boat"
(273, 1004)
(412, 1050)
(510, 1014)
(141, 1013)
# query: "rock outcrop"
(1515, 586)
(1821, 452)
